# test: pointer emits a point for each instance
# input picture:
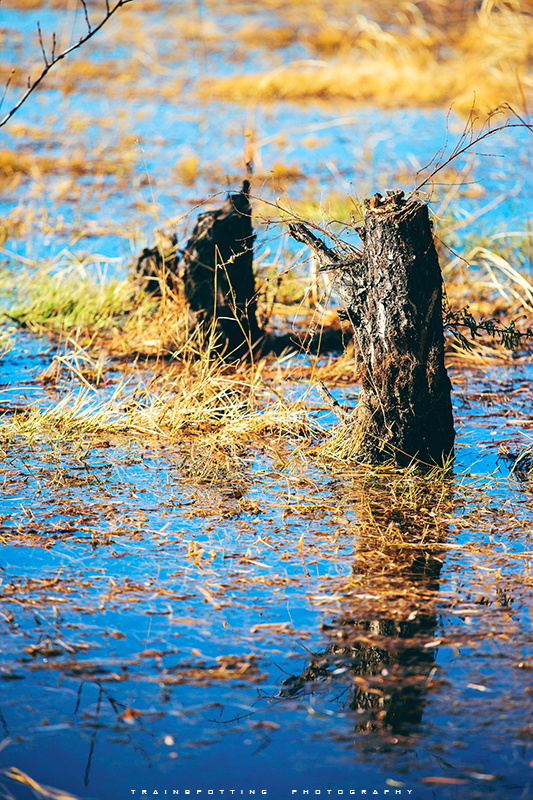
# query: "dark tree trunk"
(218, 278)
(393, 296)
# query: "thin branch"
(42, 45)
(85, 11)
(32, 85)
(527, 120)
(461, 147)
(6, 87)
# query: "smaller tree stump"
(218, 278)
(158, 266)
(393, 295)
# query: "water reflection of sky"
(76, 655)
(128, 624)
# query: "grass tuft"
(403, 58)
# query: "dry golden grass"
(187, 169)
(388, 82)
(410, 61)
(279, 177)
(38, 789)
(81, 72)
(256, 35)
(76, 162)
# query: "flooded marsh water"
(266, 623)
(208, 608)
(123, 139)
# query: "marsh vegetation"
(202, 587)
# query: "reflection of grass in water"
(295, 537)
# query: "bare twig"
(85, 11)
(32, 85)
(42, 44)
(6, 87)
(471, 140)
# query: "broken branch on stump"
(327, 258)
(342, 414)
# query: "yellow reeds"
(386, 81)
(409, 61)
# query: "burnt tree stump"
(158, 266)
(218, 278)
(393, 295)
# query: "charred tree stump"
(158, 266)
(218, 278)
(393, 295)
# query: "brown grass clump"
(280, 176)
(187, 169)
(89, 74)
(409, 61)
(271, 37)
(75, 162)
(389, 82)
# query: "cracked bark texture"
(394, 302)
(393, 296)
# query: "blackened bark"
(393, 296)
(158, 266)
(218, 278)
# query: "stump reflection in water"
(379, 665)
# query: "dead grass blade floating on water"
(40, 791)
